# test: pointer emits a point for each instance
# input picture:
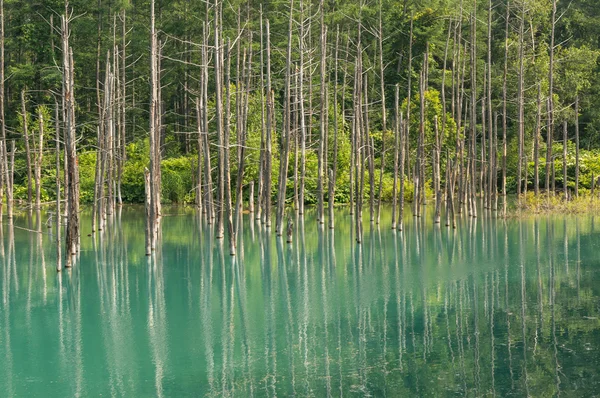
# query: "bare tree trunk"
(8, 188)
(58, 212)
(536, 143)
(302, 115)
(436, 172)
(504, 110)
(220, 233)
(406, 141)
(521, 104)
(577, 145)
(209, 203)
(397, 126)
(420, 161)
(268, 139)
(403, 137)
(199, 206)
(72, 235)
(492, 153)
(226, 149)
(333, 172)
(550, 131)
(123, 108)
(38, 162)
(27, 149)
(285, 136)
(473, 167)
(564, 161)
(368, 145)
(155, 130)
(323, 127)
(243, 124)
(262, 154)
(148, 211)
(383, 111)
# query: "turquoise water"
(492, 308)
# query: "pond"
(494, 307)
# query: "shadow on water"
(493, 307)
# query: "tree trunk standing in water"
(403, 127)
(521, 103)
(491, 193)
(550, 131)
(123, 109)
(495, 170)
(397, 127)
(504, 110)
(383, 111)
(226, 149)
(564, 161)
(148, 211)
(473, 168)
(220, 233)
(303, 119)
(201, 209)
(368, 145)
(27, 149)
(323, 133)
(436, 172)
(58, 225)
(262, 149)
(155, 129)
(483, 162)
(244, 133)
(7, 177)
(333, 173)
(109, 125)
(420, 158)
(268, 140)
(72, 235)
(359, 171)
(536, 142)
(406, 141)
(286, 132)
(39, 154)
(209, 202)
(577, 145)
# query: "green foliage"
(177, 178)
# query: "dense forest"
(268, 106)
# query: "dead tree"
(27, 148)
(397, 125)
(550, 131)
(72, 233)
(323, 127)
(155, 129)
(577, 145)
(39, 155)
(286, 132)
(7, 176)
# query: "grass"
(531, 204)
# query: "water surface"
(492, 308)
